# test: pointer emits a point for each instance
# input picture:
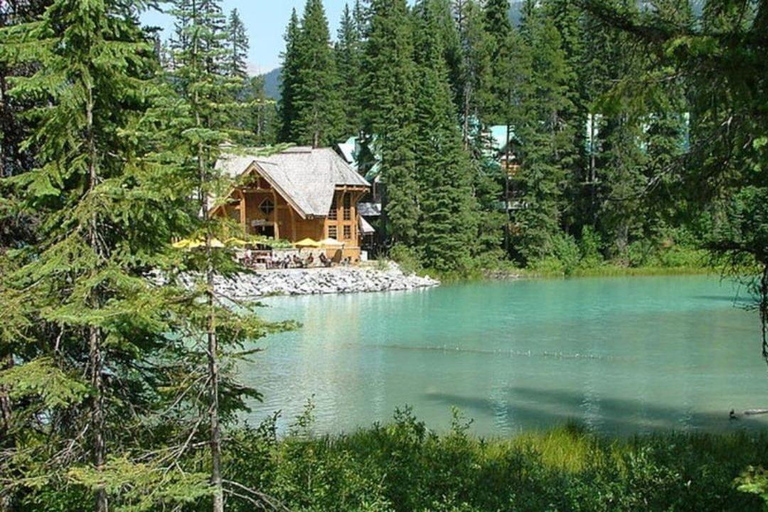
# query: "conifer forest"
(541, 137)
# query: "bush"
(407, 257)
(403, 466)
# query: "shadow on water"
(523, 409)
(736, 300)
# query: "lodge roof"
(306, 177)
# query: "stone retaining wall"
(320, 281)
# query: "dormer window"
(267, 206)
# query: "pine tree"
(474, 42)
(545, 135)
(388, 106)
(85, 329)
(348, 57)
(290, 81)
(448, 222)
(236, 64)
(194, 143)
(316, 99)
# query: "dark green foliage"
(388, 85)
(235, 63)
(85, 333)
(499, 81)
(311, 110)
(448, 223)
(348, 57)
(290, 81)
(545, 134)
(404, 466)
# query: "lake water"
(621, 355)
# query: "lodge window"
(333, 214)
(333, 232)
(347, 207)
(267, 206)
(347, 232)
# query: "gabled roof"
(348, 150)
(306, 177)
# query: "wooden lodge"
(299, 193)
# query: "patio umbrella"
(239, 242)
(195, 244)
(307, 242)
(331, 243)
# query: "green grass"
(404, 467)
(609, 270)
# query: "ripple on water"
(620, 355)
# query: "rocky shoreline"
(318, 281)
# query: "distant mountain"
(272, 82)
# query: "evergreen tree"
(348, 57)
(448, 222)
(497, 84)
(316, 101)
(290, 80)
(388, 96)
(475, 62)
(545, 136)
(236, 64)
(447, 31)
(194, 144)
(86, 332)
(617, 162)
(568, 20)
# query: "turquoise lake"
(620, 355)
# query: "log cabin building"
(300, 193)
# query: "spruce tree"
(86, 330)
(315, 96)
(475, 46)
(448, 219)
(194, 144)
(546, 136)
(568, 19)
(236, 64)
(497, 83)
(201, 83)
(388, 96)
(348, 57)
(290, 80)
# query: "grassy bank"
(570, 260)
(404, 467)
(507, 270)
(612, 270)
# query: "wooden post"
(276, 215)
(243, 218)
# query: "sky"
(265, 21)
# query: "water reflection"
(620, 355)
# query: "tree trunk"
(96, 357)
(97, 413)
(213, 347)
(763, 306)
(507, 234)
